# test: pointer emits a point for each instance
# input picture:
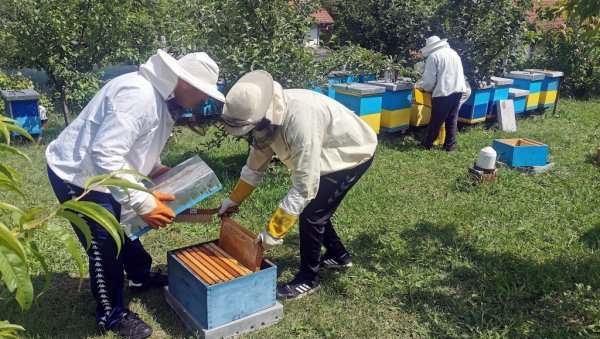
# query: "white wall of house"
(313, 37)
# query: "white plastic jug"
(486, 158)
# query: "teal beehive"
(22, 106)
(499, 92)
(521, 152)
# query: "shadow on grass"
(400, 142)
(67, 311)
(479, 291)
(591, 238)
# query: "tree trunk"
(65, 108)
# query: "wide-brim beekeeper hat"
(248, 102)
(198, 70)
(433, 43)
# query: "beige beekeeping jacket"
(318, 136)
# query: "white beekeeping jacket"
(318, 136)
(125, 126)
(444, 73)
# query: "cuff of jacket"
(241, 191)
(280, 223)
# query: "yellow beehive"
(419, 115)
(422, 98)
(396, 118)
(373, 120)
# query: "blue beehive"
(364, 99)
(499, 92)
(474, 110)
(519, 98)
(22, 106)
(395, 105)
(549, 89)
(521, 152)
(531, 82)
(221, 303)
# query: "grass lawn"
(434, 255)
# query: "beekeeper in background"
(126, 126)
(445, 79)
(326, 146)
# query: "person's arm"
(430, 75)
(305, 139)
(117, 132)
(251, 175)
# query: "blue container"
(529, 81)
(363, 99)
(219, 304)
(549, 89)
(23, 106)
(521, 152)
(366, 77)
(519, 98)
(474, 110)
(499, 92)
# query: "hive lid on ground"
(502, 81)
(525, 75)
(191, 182)
(394, 86)
(517, 93)
(19, 94)
(358, 88)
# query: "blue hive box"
(474, 110)
(519, 98)
(529, 81)
(499, 92)
(221, 303)
(521, 152)
(549, 89)
(364, 99)
(395, 106)
(22, 106)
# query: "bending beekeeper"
(326, 146)
(445, 79)
(126, 126)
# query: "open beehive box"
(521, 152)
(223, 280)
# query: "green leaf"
(125, 184)
(8, 330)
(14, 268)
(8, 173)
(6, 119)
(11, 187)
(19, 130)
(4, 131)
(47, 274)
(9, 207)
(12, 150)
(99, 215)
(70, 243)
(80, 223)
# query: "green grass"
(435, 256)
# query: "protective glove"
(225, 205)
(281, 222)
(241, 191)
(154, 212)
(160, 171)
(267, 240)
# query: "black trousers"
(106, 269)
(316, 229)
(443, 110)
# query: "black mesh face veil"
(235, 123)
(264, 134)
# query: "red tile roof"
(322, 17)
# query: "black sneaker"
(131, 326)
(154, 280)
(297, 288)
(329, 261)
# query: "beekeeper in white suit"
(326, 146)
(444, 78)
(125, 126)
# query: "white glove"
(227, 203)
(267, 240)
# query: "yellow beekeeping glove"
(280, 223)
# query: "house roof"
(322, 17)
(533, 15)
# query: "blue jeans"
(106, 268)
